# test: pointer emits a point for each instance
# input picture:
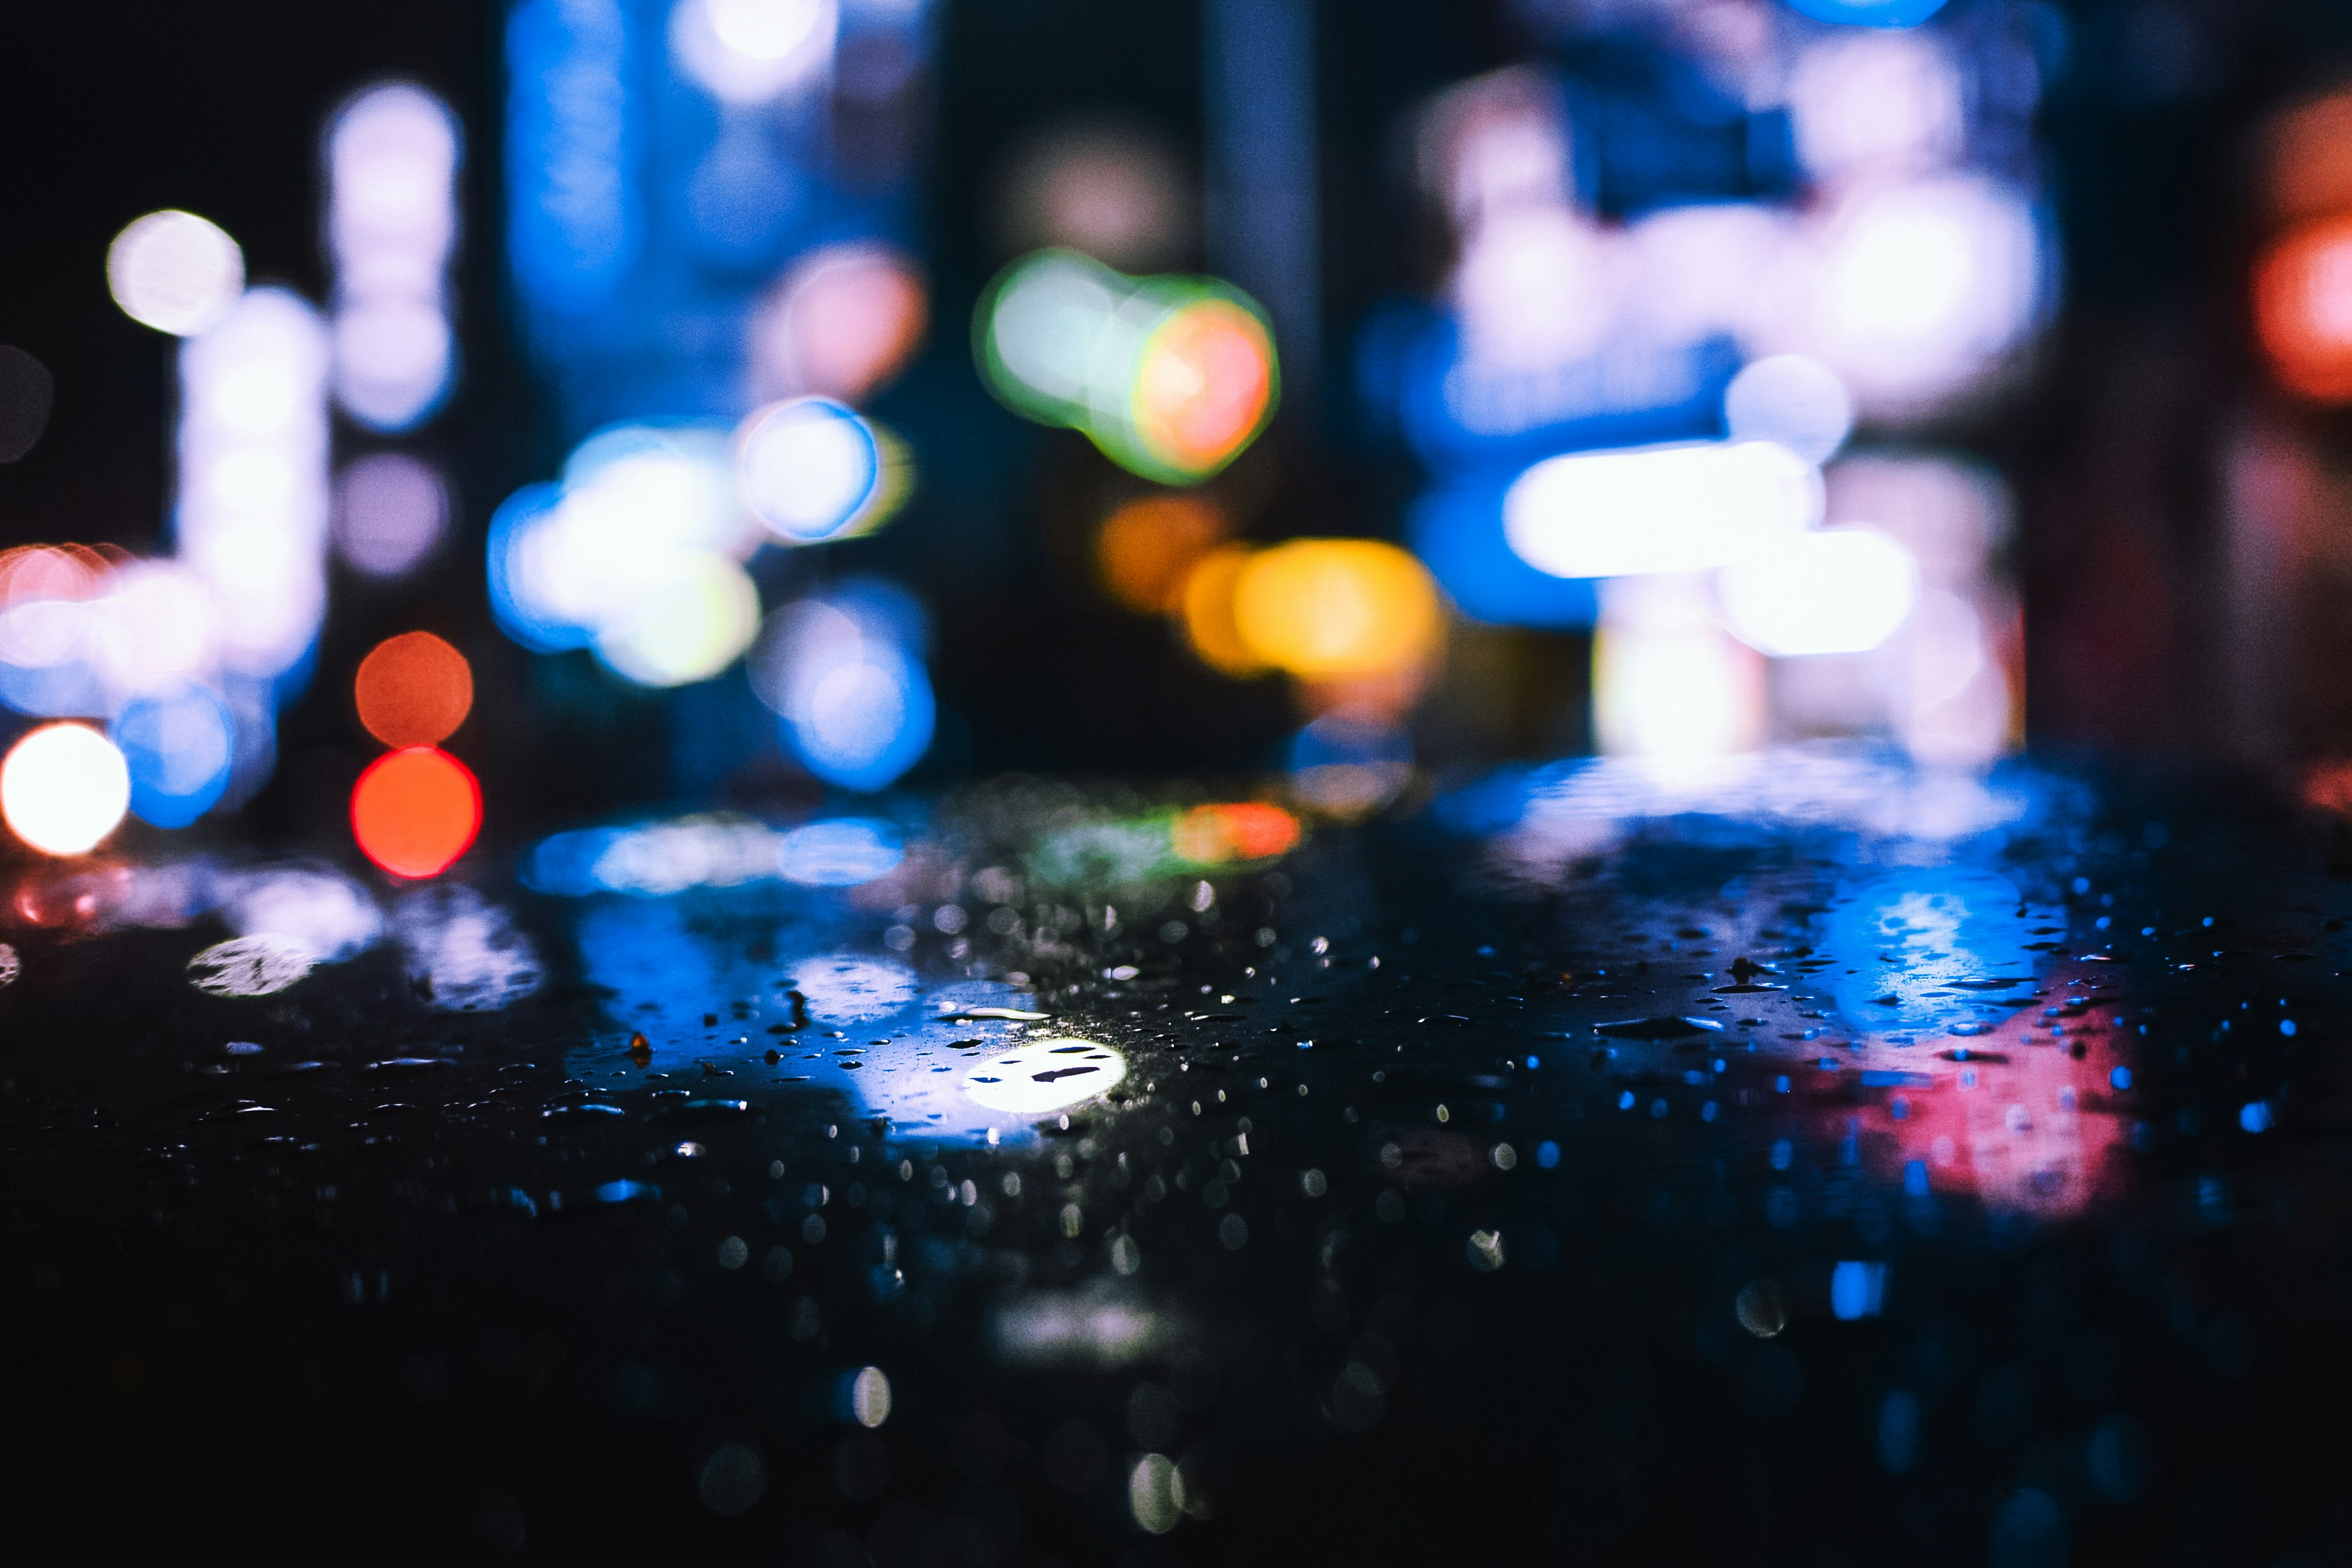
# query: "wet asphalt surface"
(1802, 1161)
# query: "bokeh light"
(1667, 681)
(841, 853)
(1837, 590)
(391, 159)
(415, 811)
(1172, 377)
(691, 621)
(1869, 12)
(330, 915)
(1115, 192)
(1347, 767)
(1230, 833)
(412, 689)
(1146, 547)
(844, 673)
(1661, 509)
(749, 51)
(155, 630)
(1876, 102)
(1955, 677)
(655, 859)
(391, 511)
(252, 513)
(869, 1396)
(1798, 402)
(1325, 609)
(637, 554)
(1041, 328)
(178, 747)
(1457, 531)
(50, 598)
(2302, 309)
(63, 788)
(1204, 385)
(1534, 290)
(1208, 613)
(1734, 269)
(1921, 287)
(175, 272)
(842, 322)
(1494, 144)
(810, 467)
(576, 220)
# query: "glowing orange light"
(1333, 608)
(1244, 830)
(1208, 606)
(415, 811)
(2302, 309)
(412, 689)
(1204, 384)
(1147, 546)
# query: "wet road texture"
(1797, 1159)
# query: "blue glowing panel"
(643, 215)
(1631, 391)
(576, 219)
(729, 185)
(1868, 13)
(1457, 531)
(1652, 129)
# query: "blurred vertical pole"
(2270, 485)
(1259, 61)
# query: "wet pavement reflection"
(1798, 1160)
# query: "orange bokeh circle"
(1147, 547)
(417, 810)
(1206, 383)
(414, 689)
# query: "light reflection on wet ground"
(1759, 1161)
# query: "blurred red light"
(415, 811)
(2302, 309)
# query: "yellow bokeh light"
(1331, 608)
(1208, 610)
(1147, 547)
(687, 627)
(63, 788)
